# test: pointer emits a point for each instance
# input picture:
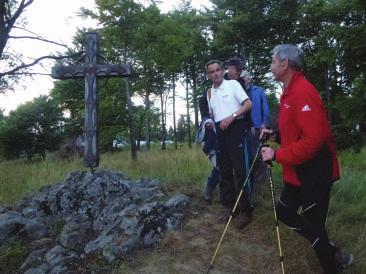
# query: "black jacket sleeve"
(203, 106)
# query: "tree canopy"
(33, 128)
(166, 49)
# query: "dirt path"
(252, 250)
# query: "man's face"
(232, 72)
(247, 81)
(215, 73)
(278, 68)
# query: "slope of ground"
(252, 250)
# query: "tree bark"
(130, 122)
(129, 106)
(195, 103)
(174, 116)
(327, 92)
(147, 119)
(188, 116)
(163, 130)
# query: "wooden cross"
(91, 71)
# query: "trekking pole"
(269, 167)
(232, 211)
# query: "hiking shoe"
(242, 220)
(224, 215)
(343, 259)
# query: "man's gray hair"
(211, 62)
(292, 53)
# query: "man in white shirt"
(227, 104)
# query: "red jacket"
(303, 128)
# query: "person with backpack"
(228, 103)
(308, 158)
(259, 116)
(235, 66)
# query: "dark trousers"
(313, 198)
(232, 166)
(213, 179)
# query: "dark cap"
(237, 62)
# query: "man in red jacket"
(308, 157)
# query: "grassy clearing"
(189, 250)
(11, 257)
(176, 168)
(21, 177)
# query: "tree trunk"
(165, 100)
(139, 134)
(163, 131)
(188, 117)
(147, 119)
(174, 116)
(327, 92)
(129, 107)
(195, 103)
(130, 122)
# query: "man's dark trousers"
(313, 196)
(232, 165)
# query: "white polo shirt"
(226, 99)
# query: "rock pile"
(89, 215)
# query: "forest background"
(166, 49)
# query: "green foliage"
(12, 257)
(33, 128)
(334, 32)
(113, 121)
(274, 107)
(181, 129)
(164, 48)
(69, 97)
(1, 116)
(351, 130)
(251, 29)
(157, 45)
(347, 210)
(57, 227)
(112, 112)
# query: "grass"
(12, 257)
(190, 249)
(174, 167)
(21, 177)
